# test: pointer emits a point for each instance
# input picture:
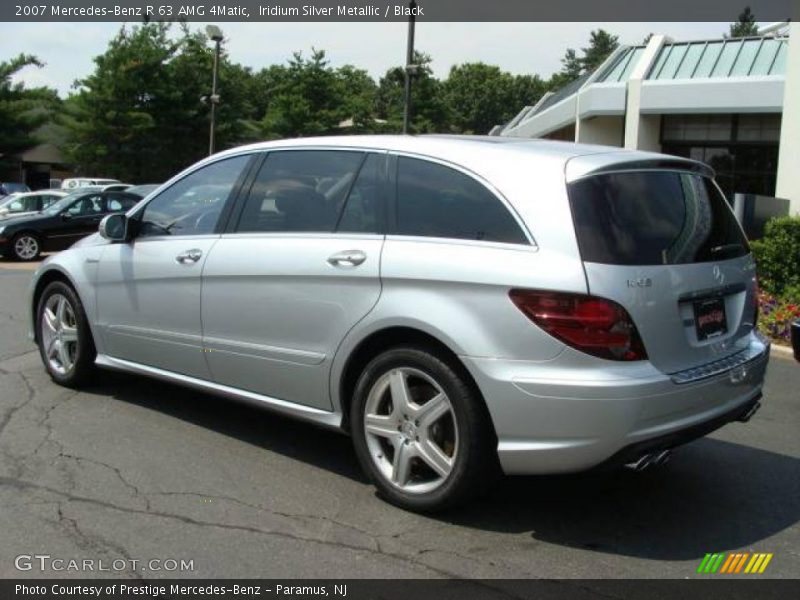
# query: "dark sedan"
(61, 224)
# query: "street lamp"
(411, 68)
(215, 34)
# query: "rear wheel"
(26, 246)
(65, 340)
(421, 431)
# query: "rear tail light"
(592, 325)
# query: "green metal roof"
(740, 57)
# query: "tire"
(63, 335)
(431, 453)
(26, 246)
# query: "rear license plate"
(709, 318)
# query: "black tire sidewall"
(85, 352)
(14, 246)
(474, 452)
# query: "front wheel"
(65, 340)
(421, 431)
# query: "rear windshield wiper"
(727, 248)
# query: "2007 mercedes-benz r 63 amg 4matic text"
(461, 306)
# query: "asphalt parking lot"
(135, 469)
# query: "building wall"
(604, 130)
(788, 180)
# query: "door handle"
(348, 258)
(189, 257)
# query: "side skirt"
(326, 419)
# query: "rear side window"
(653, 218)
(300, 190)
(437, 201)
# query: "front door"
(148, 290)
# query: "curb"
(782, 351)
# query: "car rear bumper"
(563, 415)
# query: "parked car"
(79, 182)
(143, 189)
(460, 306)
(18, 205)
(7, 188)
(61, 224)
(117, 187)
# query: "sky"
(67, 49)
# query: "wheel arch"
(46, 278)
(387, 337)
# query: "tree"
(139, 115)
(430, 113)
(308, 97)
(601, 45)
(745, 26)
(480, 96)
(22, 110)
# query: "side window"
(437, 201)
(119, 202)
(87, 206)
(363, 211)
(193, 205)
(48, 200)
(300, 190)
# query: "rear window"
(653, 218)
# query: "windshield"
(62, 204)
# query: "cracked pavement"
(131, 468)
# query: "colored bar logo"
(735, 563)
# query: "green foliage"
(601, 45)
(430, 112)
(22, 110)
(139, 117)
(745, 26)
(778, 256)
(481, 96)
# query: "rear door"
(297, 269)
(666, 246)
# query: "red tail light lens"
(592, 325)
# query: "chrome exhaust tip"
(640, 464)
(651, 459)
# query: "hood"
(94, 239)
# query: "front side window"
(653, 218)
(193, 205)
(437, 201)
(300, 190)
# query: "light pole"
(411, 68)
(215, 33)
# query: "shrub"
(778, 255)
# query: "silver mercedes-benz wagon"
(462, 306)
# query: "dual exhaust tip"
(651, 459)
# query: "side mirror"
(65, 216)
(114, 227)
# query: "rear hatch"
(664, 243)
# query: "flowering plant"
(776, 315)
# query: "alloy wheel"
(59, 329)
(411, 430)
(26, 247)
